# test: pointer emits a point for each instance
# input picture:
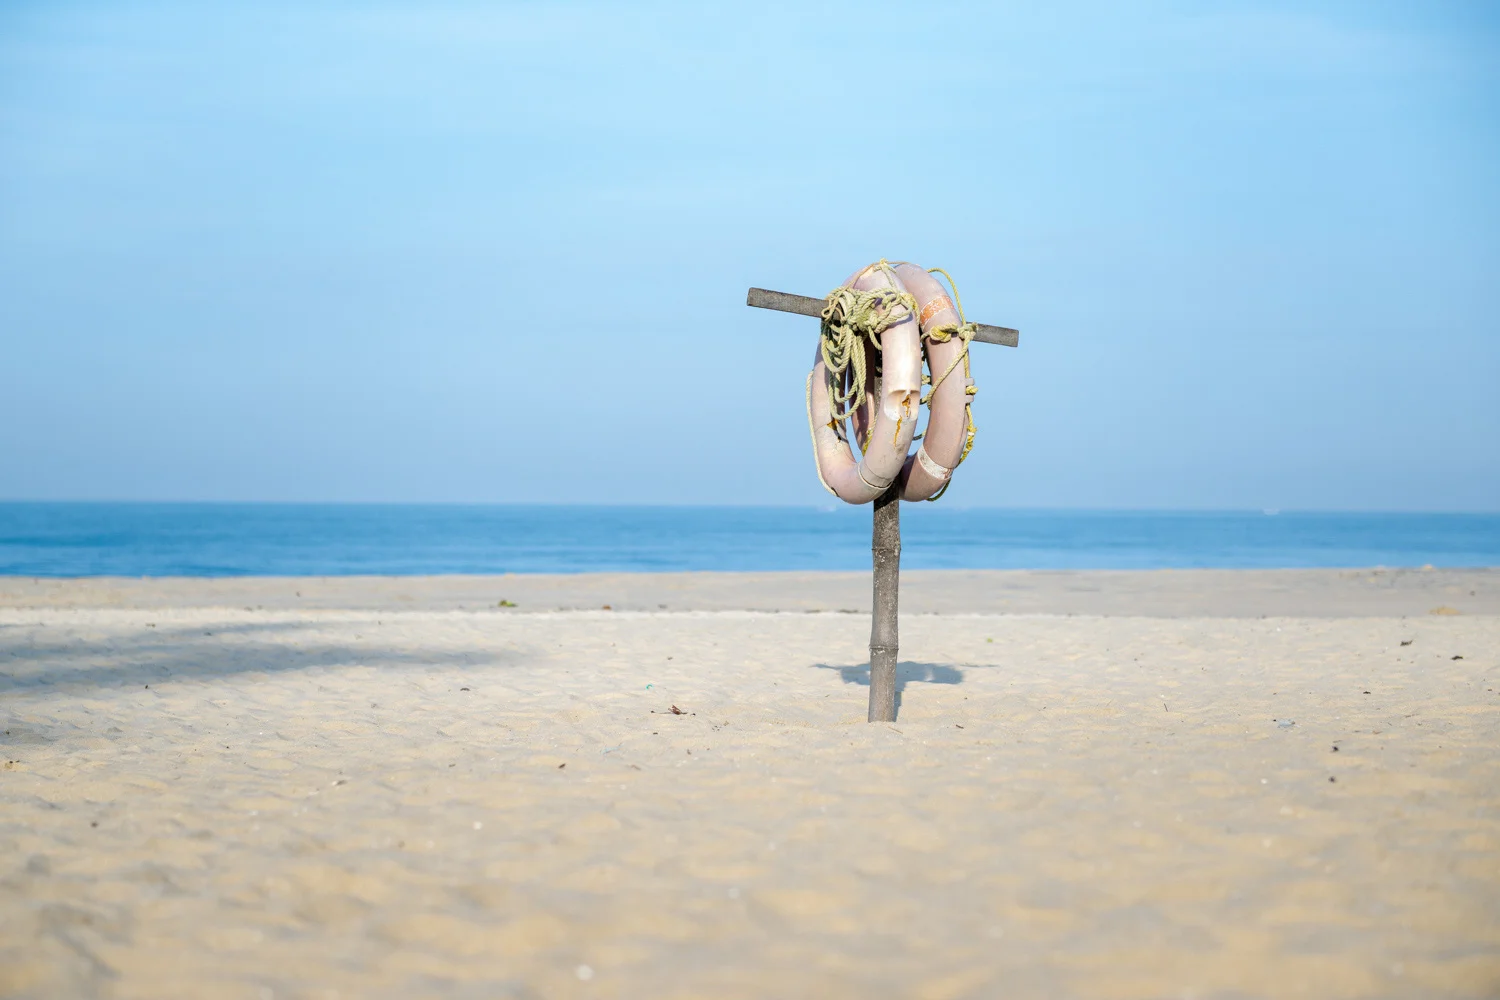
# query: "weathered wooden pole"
(885, 537)
(885, 636)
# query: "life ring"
(947, 437)
(883, 427)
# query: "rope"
(852, 319)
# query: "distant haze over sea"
(216, 539)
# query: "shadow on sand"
(906, 673)
(191, 653)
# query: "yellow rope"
(850, 320)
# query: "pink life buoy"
(947, 439)
(883, 426)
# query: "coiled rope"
(852, 319)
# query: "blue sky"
(494, 252)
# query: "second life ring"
(949, 434)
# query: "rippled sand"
(260, 800)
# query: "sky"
(489, 252)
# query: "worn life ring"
(947, 437)
(929, 325)
(884, 427)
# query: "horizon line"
(820, 507)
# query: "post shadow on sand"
(906, 673)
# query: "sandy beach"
(1205, 784)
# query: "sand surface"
(1210, 593)
(1100, 785)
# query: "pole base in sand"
(885, 551)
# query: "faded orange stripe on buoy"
(934, 307)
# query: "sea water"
(225, 539)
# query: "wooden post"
(885, 552)
(885, 536)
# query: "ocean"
(230, 539)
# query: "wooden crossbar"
(806, 305)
